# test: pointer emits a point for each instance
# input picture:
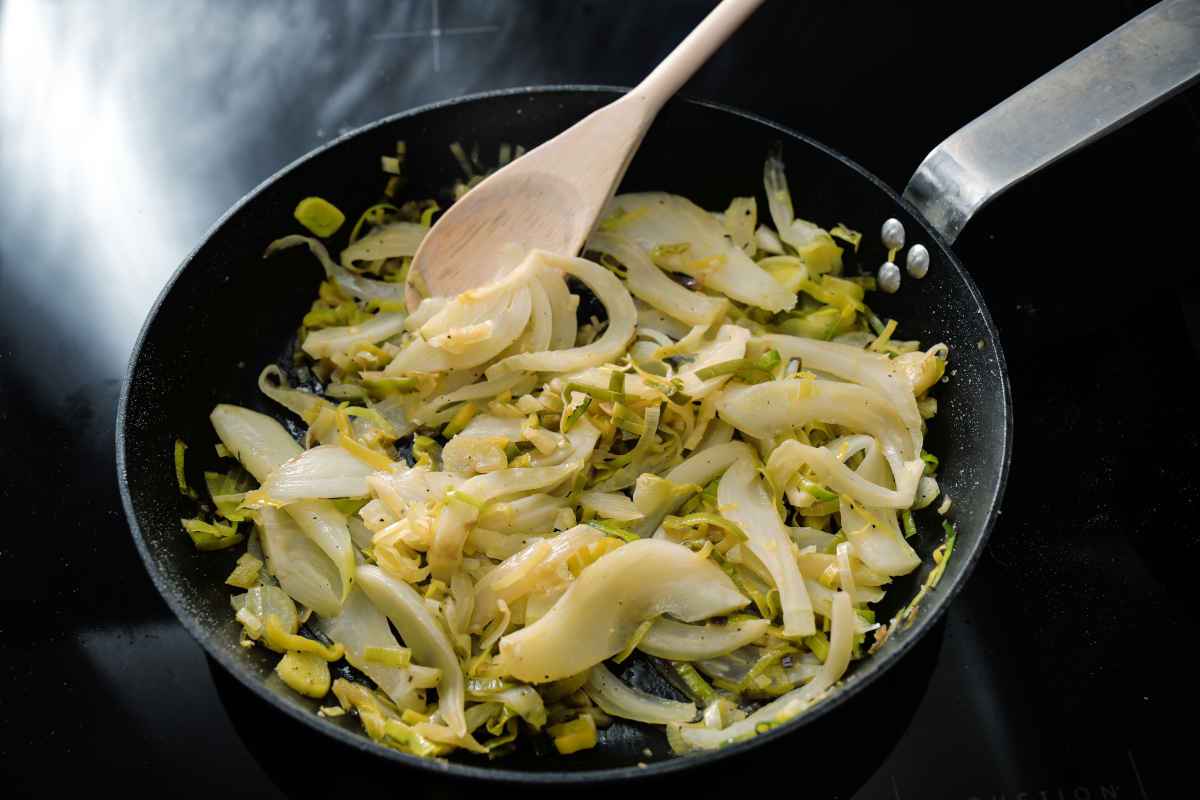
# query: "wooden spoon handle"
(692, 52)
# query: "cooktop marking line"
(436, 32)
(1138, 775)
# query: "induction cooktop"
(126, 130)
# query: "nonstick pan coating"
(227, 312)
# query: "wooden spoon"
(551, 197)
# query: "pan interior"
(229, 312)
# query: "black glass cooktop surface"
(127, 129)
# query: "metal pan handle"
(1137, 66)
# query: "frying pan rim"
(878, 664)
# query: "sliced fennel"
(360, 626)
(600, 611)
(746, 502)
(621, 700)
(679, 641)
(423, 635)
(690, 241)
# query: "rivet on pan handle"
(1128, 72)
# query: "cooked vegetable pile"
(500, 498)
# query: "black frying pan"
(226, 312)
